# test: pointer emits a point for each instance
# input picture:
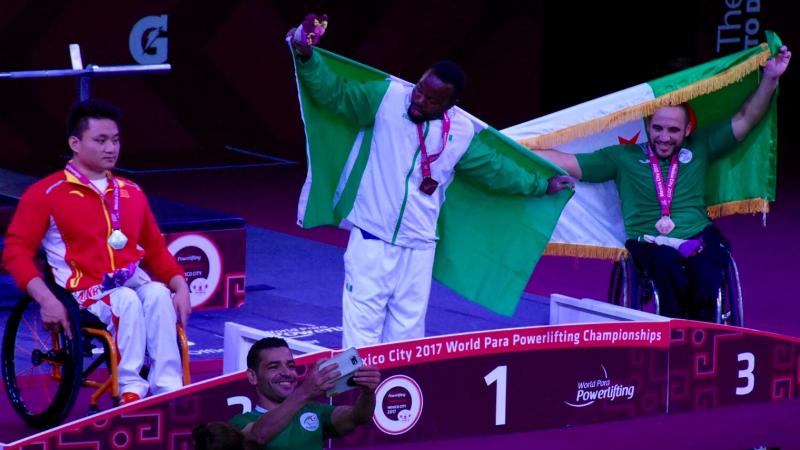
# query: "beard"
(415, 114)
(662, 152)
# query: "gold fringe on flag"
(751, 206)
(676, 97)
(584, 251)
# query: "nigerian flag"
(743, 181)
(488, 242)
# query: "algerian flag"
(741, 182)
(489, 243)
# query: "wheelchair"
(631, 287)
(43, 370)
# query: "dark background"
(232, 81)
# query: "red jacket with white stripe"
(72, 223)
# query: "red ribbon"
(425, 162)
(113, 208)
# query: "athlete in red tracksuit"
(66, 215)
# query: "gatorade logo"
(148, 40)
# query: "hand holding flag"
(775, 66)
(558, 183)
(308, 33)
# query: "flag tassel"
(751, 206)
(583, 251)
(684, 94)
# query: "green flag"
(742, 181)
(489, 243)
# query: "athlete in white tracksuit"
(390, 254)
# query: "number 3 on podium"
(746, 373)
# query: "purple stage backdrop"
(232, 83)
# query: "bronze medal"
(428, 186)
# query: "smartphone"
(349, 361)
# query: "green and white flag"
(741, 182)
(489, 243)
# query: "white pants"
(386, 290)
(141, 317)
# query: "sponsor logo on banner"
(739, 26)
(591, 390)
(399, 404)
(202, 264)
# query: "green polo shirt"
(628, 166)
(306, 431)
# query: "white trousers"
(142, 318)
(386, 290)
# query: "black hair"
(452, 74)
(254, 355)
(80, 113)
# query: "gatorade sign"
(148, 40)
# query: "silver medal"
(117, 240)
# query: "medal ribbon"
(425, 162)
(664, 193)
(113, 207)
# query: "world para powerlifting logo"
(591, 390)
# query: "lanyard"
(664, 193)
(113, 207)
(425, 162)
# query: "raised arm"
(357, 101)
(754, 108)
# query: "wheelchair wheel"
(730, 308)
(41, 369)
(629, 289)
(623, 288)
(616, 285)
